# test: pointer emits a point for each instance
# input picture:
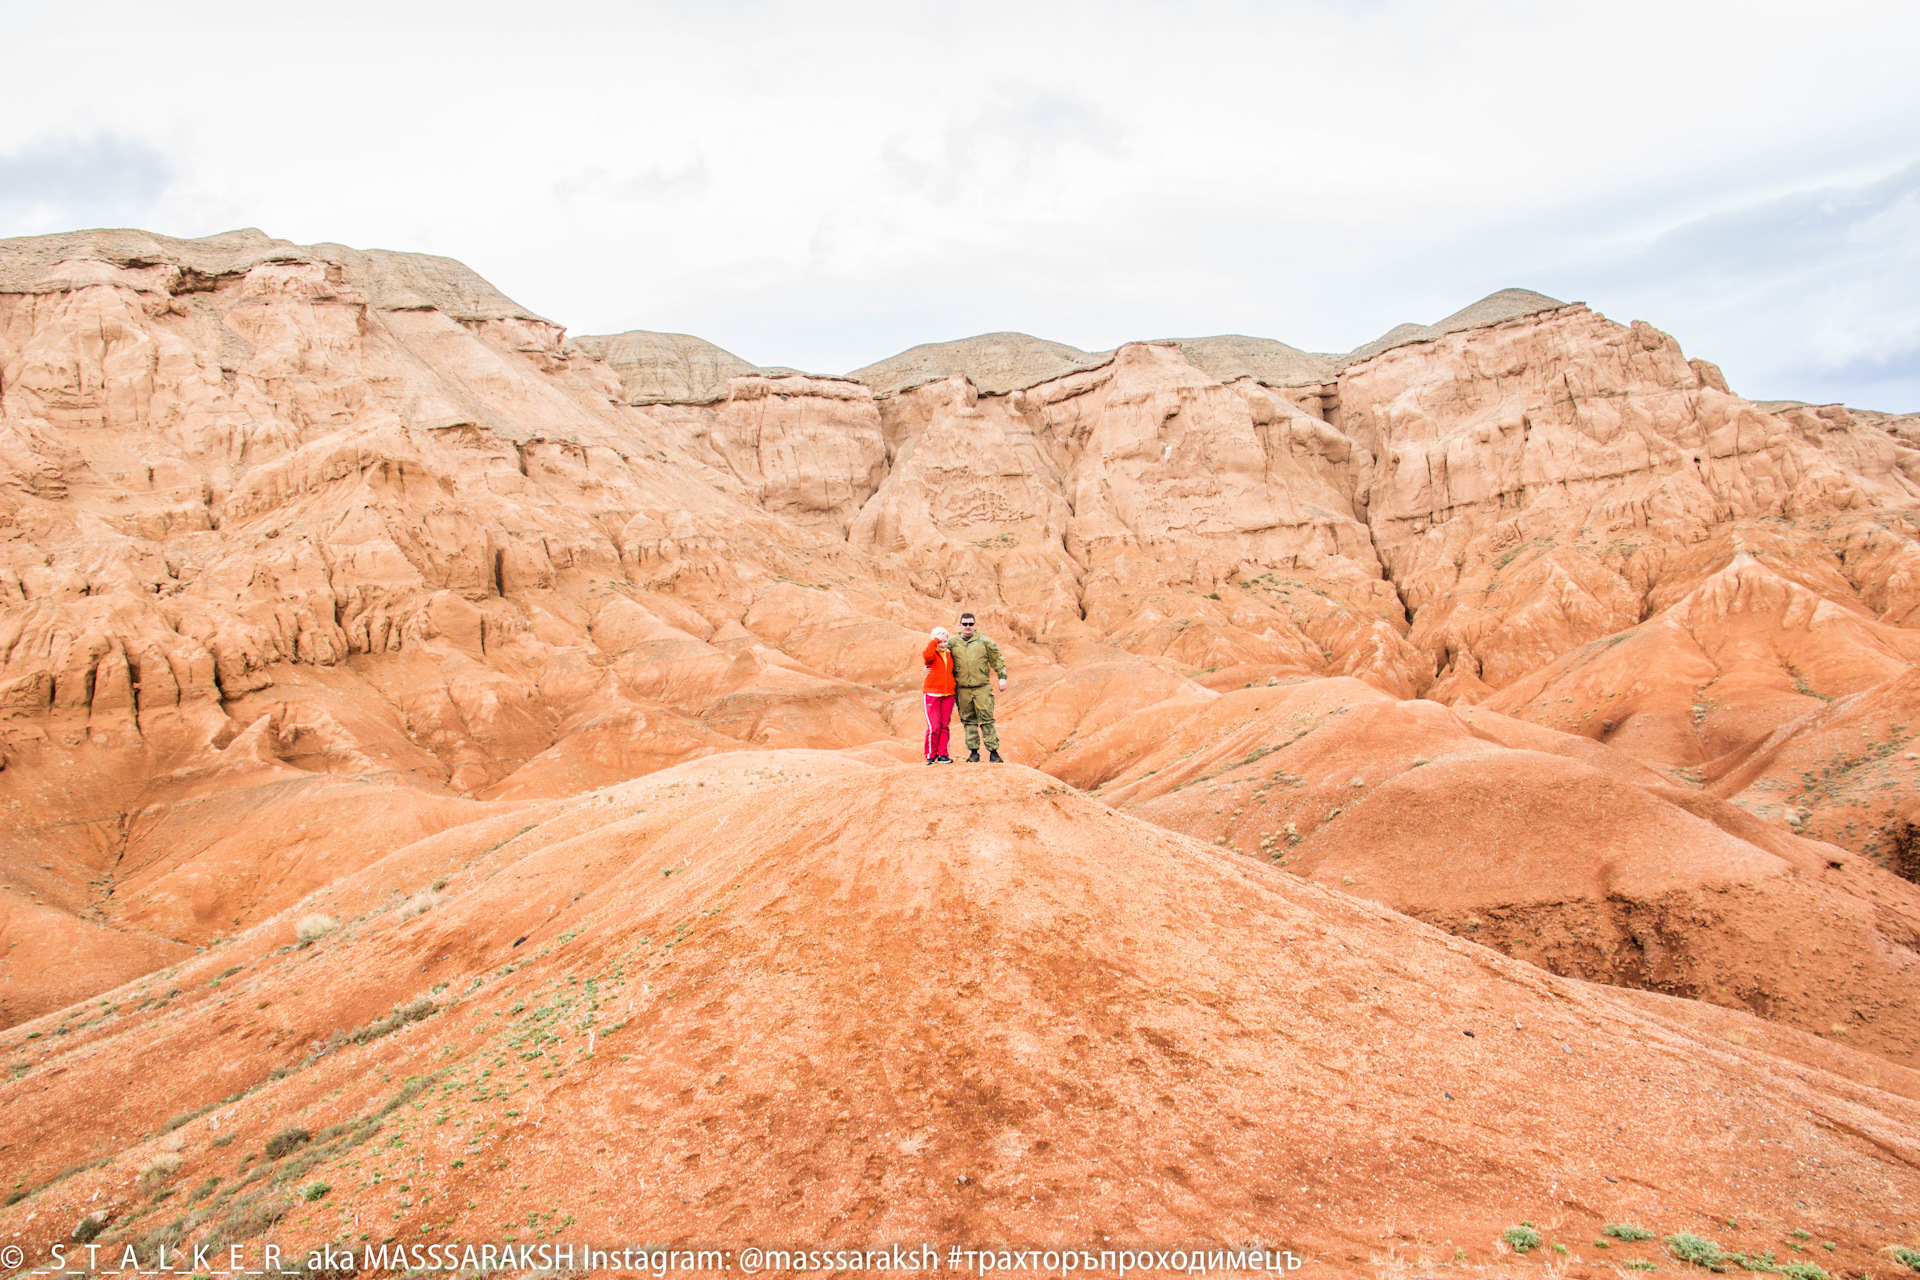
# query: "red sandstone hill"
(335, 584)
(1545, 845)
(796, 996)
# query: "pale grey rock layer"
(390, 281)
(677, 368)
(1495, 308)
(666, 368)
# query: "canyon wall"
(332, 523)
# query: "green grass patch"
(1697, 1251)
(1521, 1239)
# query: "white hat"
(939, 633)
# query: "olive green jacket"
(975, 660)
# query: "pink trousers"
(939, 714)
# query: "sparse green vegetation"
(1803, 1271)
(1842, 773)
(1764, 1263)
(246, 1218)
(1543, 540)
(1626, 1231)
(413, 1011)
(1696, 1250)
(1250, 757)
(286, 1141)
(1908, 1258)
(1521, 1239)
(157, 1170)
(314, 1190)
(1803, 688)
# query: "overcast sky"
(823, 184)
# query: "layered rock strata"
(281, 521)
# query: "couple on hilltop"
(961, 669)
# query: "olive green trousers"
(976, 713)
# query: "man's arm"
(998, 663)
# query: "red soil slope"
(337, 586)
(791, 996)
(1545, 845)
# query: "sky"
(824, 184)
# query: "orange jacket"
(939, 664)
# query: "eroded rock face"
(357, 629)
(247, 479)
(273, 516)
(272, 470)
(1550, 486)
(802, 447)
(805, 449)
(1111, 492)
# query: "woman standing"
(938, 689)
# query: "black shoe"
(993, 757)
(943, 759)
(933, 759)
(973, 757)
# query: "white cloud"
(825, 184)
(1813, 292)
(57, 183)
(654, 183)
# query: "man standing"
(976, 660)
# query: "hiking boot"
(993, 757)
(973, 757)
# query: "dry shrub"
(157, 1170)
(419, 1007)
(421, 903)
(314, 927)
(245, 1219)
(285, 1141)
